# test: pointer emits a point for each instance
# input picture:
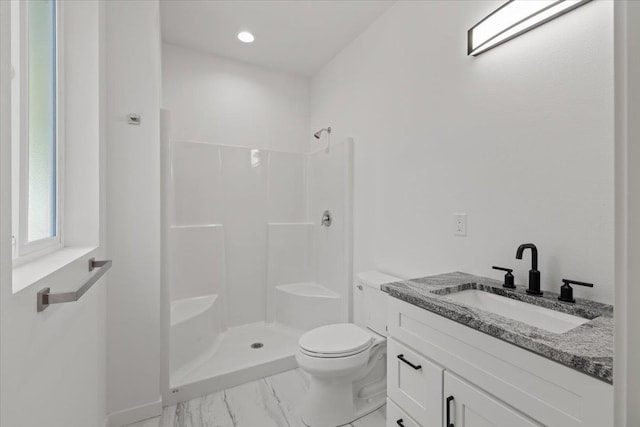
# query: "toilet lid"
(336, 340)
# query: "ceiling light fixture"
(513, 18)
(246, 37)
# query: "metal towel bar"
(45, 298)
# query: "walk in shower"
(250, 263)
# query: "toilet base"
(338, 407)
(344, 389)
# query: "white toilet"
(347, 362)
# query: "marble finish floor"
(268, 402)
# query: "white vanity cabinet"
(396, 417)
(415, 384)
(469, 406)
(492, 382)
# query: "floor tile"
(152, 422)
(289, 389)
(273, 401)
(374, 419)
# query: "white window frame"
(25, 251)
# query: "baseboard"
(135, 414)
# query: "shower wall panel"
(197, 184)
(290, 258)
(244, 205)
(225, 196)
(198, 261)
(330, 188)
(287, 187)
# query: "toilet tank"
(370, 303)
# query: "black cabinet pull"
(416, 367)
(449, 423)
(400, 423)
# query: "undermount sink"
(540, 317)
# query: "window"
(36, 118)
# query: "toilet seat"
(333, 341)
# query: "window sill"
(44, 267)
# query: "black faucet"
(566, 291)
(534, 274)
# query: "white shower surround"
(196, 325)
(244, 232)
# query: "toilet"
(346, 362)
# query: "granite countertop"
(587, 348)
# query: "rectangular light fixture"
(513, 18)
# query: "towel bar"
(45, 298)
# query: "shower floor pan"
(234, 361)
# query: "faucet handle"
(508, 277)
(566, 291)
(575, 282)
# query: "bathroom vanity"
(462, 352)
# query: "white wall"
(633, 216)
(222, 101)
(83, 123)
(520, 138)
(133, 86)
(627, 340)
(53, 363)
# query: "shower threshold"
(237, 358)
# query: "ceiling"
(297, 36)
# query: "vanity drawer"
(396, 417)
(415, 384)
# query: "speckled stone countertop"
(587, 348)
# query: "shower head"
(319, 133)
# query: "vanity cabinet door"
(414, 383)
(467, 406)
(396, 417)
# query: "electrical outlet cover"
(460, 224)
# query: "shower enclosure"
(249, 265)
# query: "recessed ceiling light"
(246, 37)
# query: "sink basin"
(540, 317)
